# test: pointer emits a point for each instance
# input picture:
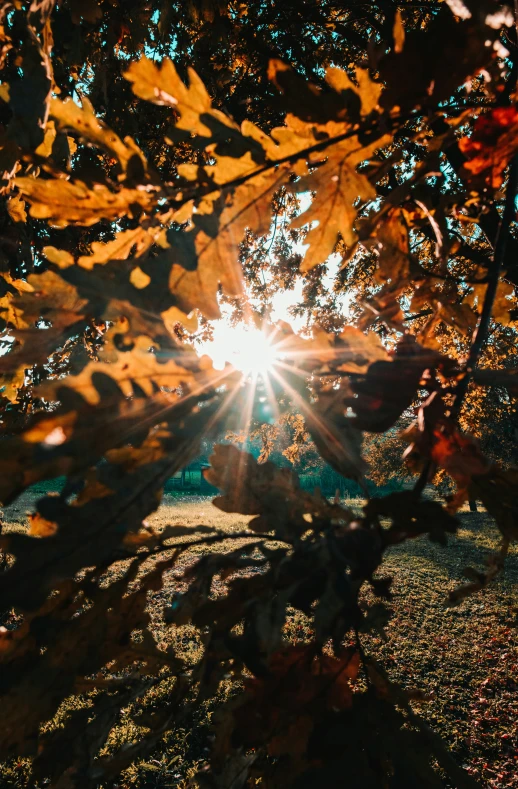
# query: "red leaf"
(491, 146)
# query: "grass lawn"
(464, 659)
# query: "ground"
(463, 659)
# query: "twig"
(417, 315)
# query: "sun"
(246, 348)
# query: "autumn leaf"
(388, 388)
(335, 435)
(138, 241)
(270, 493)
(461, 458)
(65, 203)
(348, 100)
(82, 120)
(11, 383)
(207, 253)
(116, 264)
(162, 85)
(41, 527)
(16, 209)
(137, 372)
(255, 490)
(491, 146)
(496, 489)
(339, 186)
(10, 288)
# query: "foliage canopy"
(147, 150)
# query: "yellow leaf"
(136, 371)
(338, 186)
(368, 92)
(84, 121)
(11, 383)
(207, 254)
(60, 257)
(137, 240)
(162, 85)
(390, 244)
(45, 149)
(139, 279)
(10, 311)
(173, 315)
(72, 145)
(52, 430)
(357, 350)
(74, 203)
(311, 104)
(120, 248)
(16, 209)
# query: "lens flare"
(246, 348)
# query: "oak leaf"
(338, 186)
(83, 120)
(16, 209)
(207, 253)
(137, 240)
(136, 372)
(162, 85)
(65, 203)
(491, 146)
(348, 100)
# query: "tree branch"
(492, 286)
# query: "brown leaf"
(10, 312)
(41, 527)
(398, 32)
(388, 388)
(411, 516)
(336, 438)
(45, 296)
(460, 457)
(272, 494)
(348, 100)
(11, 383)
(251, 489)
(390, 244)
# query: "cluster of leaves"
(115, 245)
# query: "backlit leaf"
(65, 203)
(83, 121)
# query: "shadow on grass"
(476, 540)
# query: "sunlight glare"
(246, 348)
